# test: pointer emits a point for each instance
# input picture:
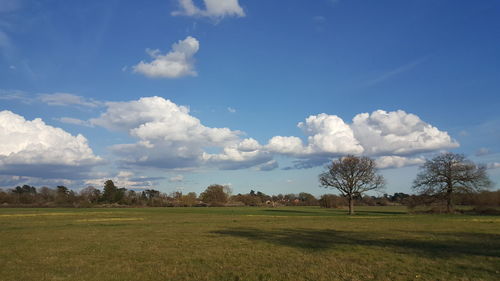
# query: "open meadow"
(245, 243)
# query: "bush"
(214, 195)
(487, 198)
(247, 199)
(332, 201)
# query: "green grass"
(306, 243)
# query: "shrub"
(214, 195)
(331, 201)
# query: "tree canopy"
(214, 195)
(449, 173)
(352, 176)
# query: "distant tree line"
(112, 196)
(109, 196)
(447, 178)
(412, 201)
(213, 196)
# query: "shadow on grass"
(433, 244)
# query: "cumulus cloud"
(399, 133)
(66, 99)
(177, 63)
(169, 137)
(155, 119)
(34, 149)
(328, 135)
(213, 8)
(247, 153)
(286, 145)
(380, 133)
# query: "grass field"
(289, 243)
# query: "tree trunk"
(351, 205)
(449, 200)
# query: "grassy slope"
(246, 244)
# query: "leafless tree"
(449, 173)
(352, 176)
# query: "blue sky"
(180, 94)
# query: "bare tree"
(352, 176)
(449, 173)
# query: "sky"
(176, 95)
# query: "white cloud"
(230, 109)
(248, 145)
(327, 135)
(177, 63)
(247, 153)
(213, 8)
(385, 162)
(169, 137)
(378, 134)
(286, 145)
(65, 99)
(34, 149)
(398, 133)
(155, 119)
